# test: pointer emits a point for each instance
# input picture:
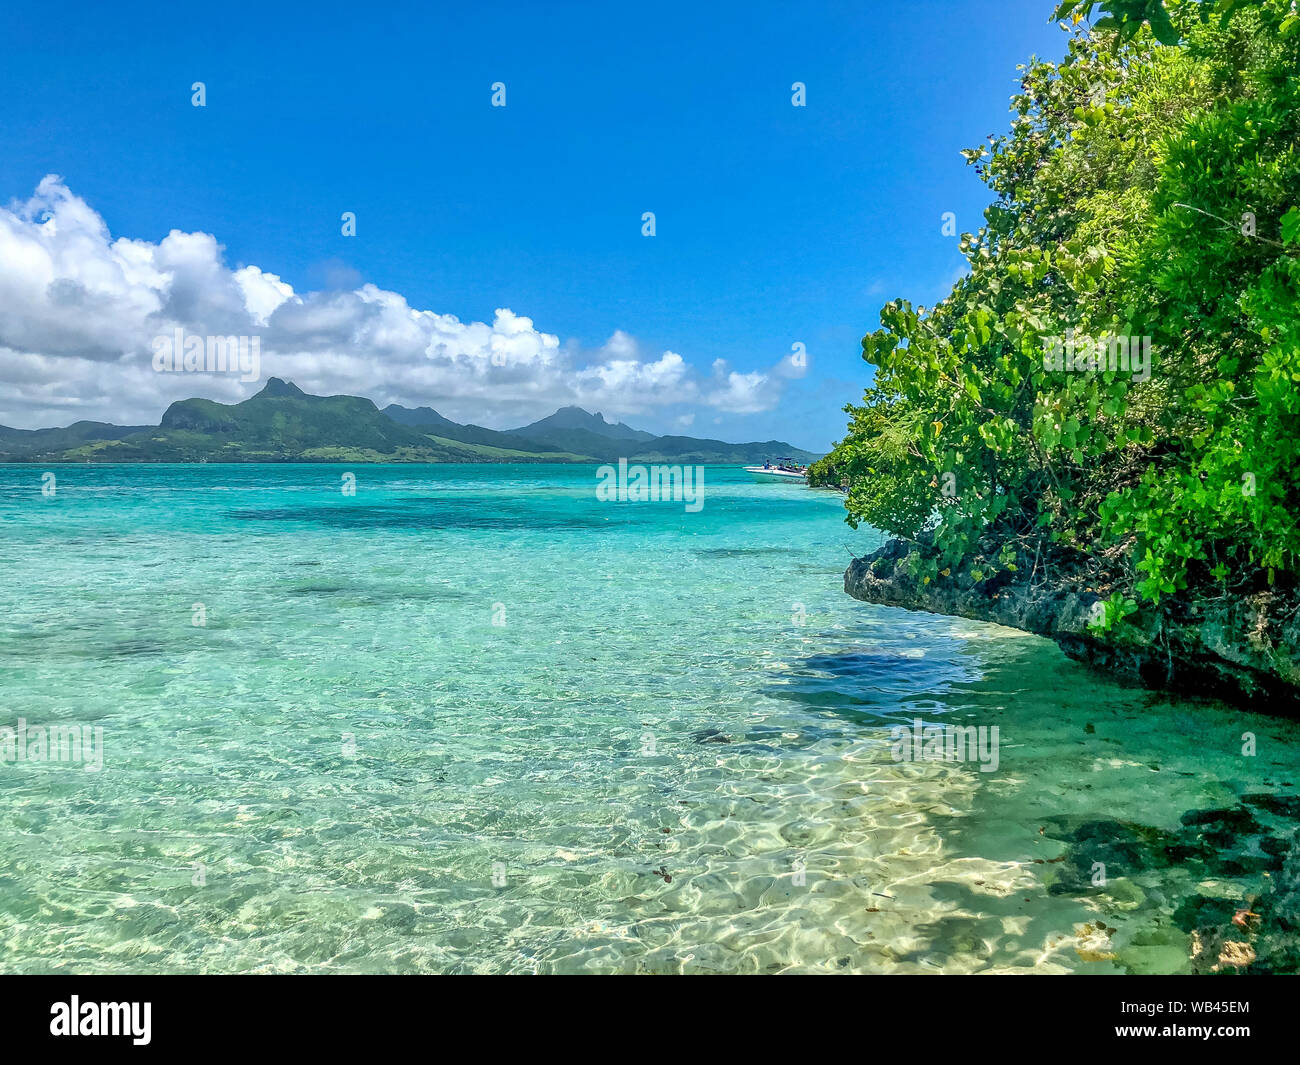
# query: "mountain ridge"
(282, 423)
(570, 418)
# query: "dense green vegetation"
(1143, 190)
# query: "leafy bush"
(1142, 191)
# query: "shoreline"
(1244, 650)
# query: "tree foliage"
(1142, 191)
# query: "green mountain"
(284, 424)
(568, 419)
(279, 424)
(35, 445)
(673, 449)
(280, 421)
(428, 420)
(693, 451)
(574, 429)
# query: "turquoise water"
(470, 719)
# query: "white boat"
(775, 473)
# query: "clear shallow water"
(574, 752)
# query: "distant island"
(284, 424)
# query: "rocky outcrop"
(1243, 648)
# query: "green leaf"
(1291, 226)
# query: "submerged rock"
(1210, 844)
(1224, 932)
(1276, 919)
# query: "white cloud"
(620, 346)
(79, 311)
(743, 393)
(263, 293)
(739, 393)
(793, 366)
(629, 385)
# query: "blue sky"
(774, 224)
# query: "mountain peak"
(416, 416)
(581, 412)
(570, 418)
(277, 387)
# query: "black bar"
(215, 1014)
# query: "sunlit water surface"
(471, 719)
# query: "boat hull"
(760, 474)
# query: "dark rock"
(1282, 805)
(1240, 648)
(1256, 935)
(1122, 847)
(1202, 912)
(1211, 843)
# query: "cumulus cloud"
(80, 309)
(739, 393)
